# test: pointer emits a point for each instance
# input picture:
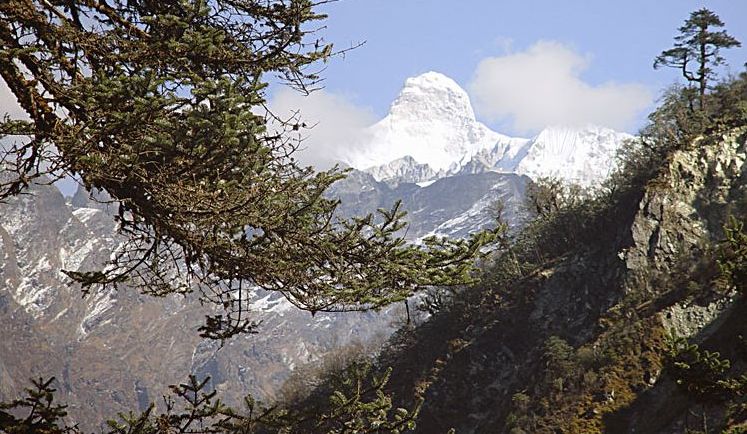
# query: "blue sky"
(617, 41)
(526, 64)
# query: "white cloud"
(542, 86)
(337, 125)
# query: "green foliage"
(702, 373)
(437, 298)
(728, 102)
(575, 389)
(350, 413)
(558, 358)
(519, 417)
(309, 378)
(732, 256)
(358, 404)
(161, 105)
(548, 196)
(698, 43)
(38, 412)
(673, 124)
(566, 218)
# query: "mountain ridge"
(431, 132)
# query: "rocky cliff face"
(684, 210)
(680, 217)
(577, 345)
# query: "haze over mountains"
(429, 151)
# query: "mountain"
(453, 206)
(404, 170)
(431, 152)
(582, 156)
(432, 121)
(116, 350)
(431, 133)
(579, 155)
(586, 337)
(449, 169)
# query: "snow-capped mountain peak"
(432, 121)
(404, 169)
(432, 96)
(431, 132)
(580, 155)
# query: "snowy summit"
(431, 120)
(431, 131)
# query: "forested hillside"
(622, 312)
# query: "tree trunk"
(702, 76)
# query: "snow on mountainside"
(432, 121)
(581, 155)
(133, 344)
(431, 132)
(433, 154)
(453, 206)
(404, 169)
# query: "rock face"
(679, 217)
(489, 364)
(453, 206)
(705, 181)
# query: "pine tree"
(699, 45)
(36, 412)
(732, 256)
(156, 103)
(358, 403)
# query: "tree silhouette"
(698, 46)
(160, 104)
